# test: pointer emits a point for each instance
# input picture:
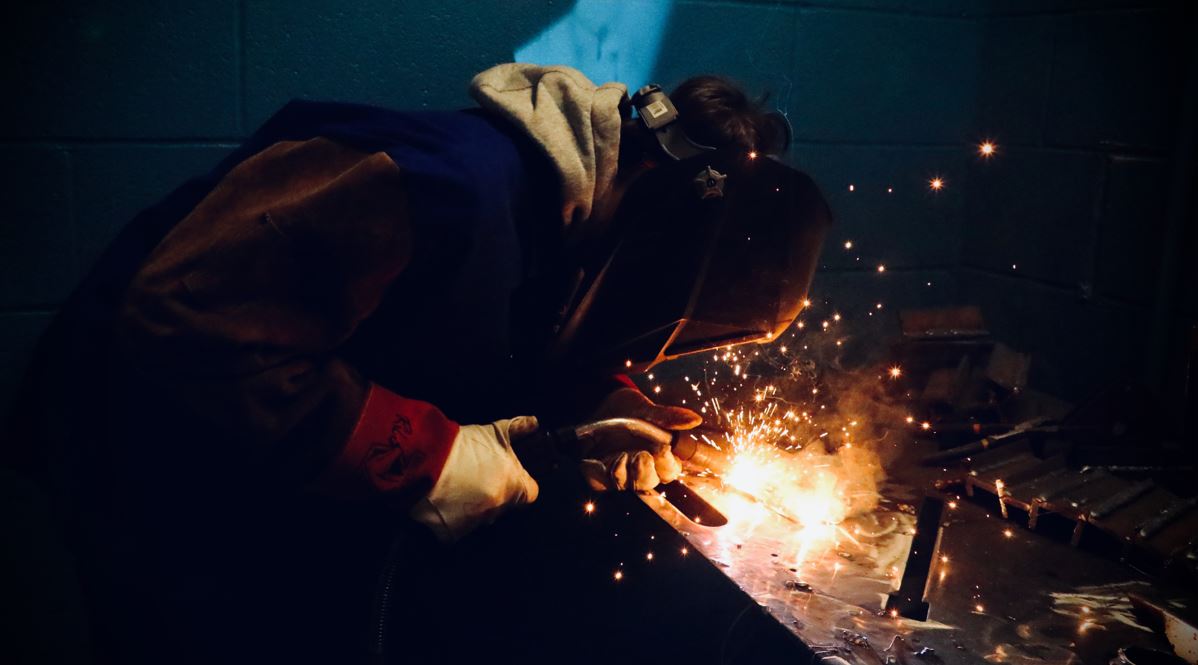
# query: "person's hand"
(635, 458)
(481, 479)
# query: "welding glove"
(481, 479)
(619, 461)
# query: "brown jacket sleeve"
(238, 310)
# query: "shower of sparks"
(803, 435)
(794, 451)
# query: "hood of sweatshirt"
(575, 122)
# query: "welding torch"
(696, 447)
(575, 442)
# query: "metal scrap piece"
(1104, 508)
(1167, 516)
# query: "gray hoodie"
(575, 122)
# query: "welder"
(353, 320)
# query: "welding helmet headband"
(658, 118)
(713, 250)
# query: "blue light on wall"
(608, 40)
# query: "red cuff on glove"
(625, 381)
(399, 445)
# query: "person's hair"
(717, 112)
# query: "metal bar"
(1121, 499)
(908, 601)
(1039, 469)
(1004, 462)
(1167, 516)
(988, 443)
(1030, 485)
(1082, 481)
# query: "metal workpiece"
(991, 442)
(996, 594)
(953, 579)
(1120, 500)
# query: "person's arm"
(240, 309)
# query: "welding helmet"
(712, 250)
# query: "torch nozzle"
(693, 450)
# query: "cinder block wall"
(1064, 229)
(112, 104)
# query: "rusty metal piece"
(945, 385)
(1100, 489)
(990, 442)
(1167, 516)
(1007, 367)
(796, 585)
(994, 465)
(1053, 472)
(1065, 488)
(1182, 634)
(1120, 499)
(944, 322)
(909, 599)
